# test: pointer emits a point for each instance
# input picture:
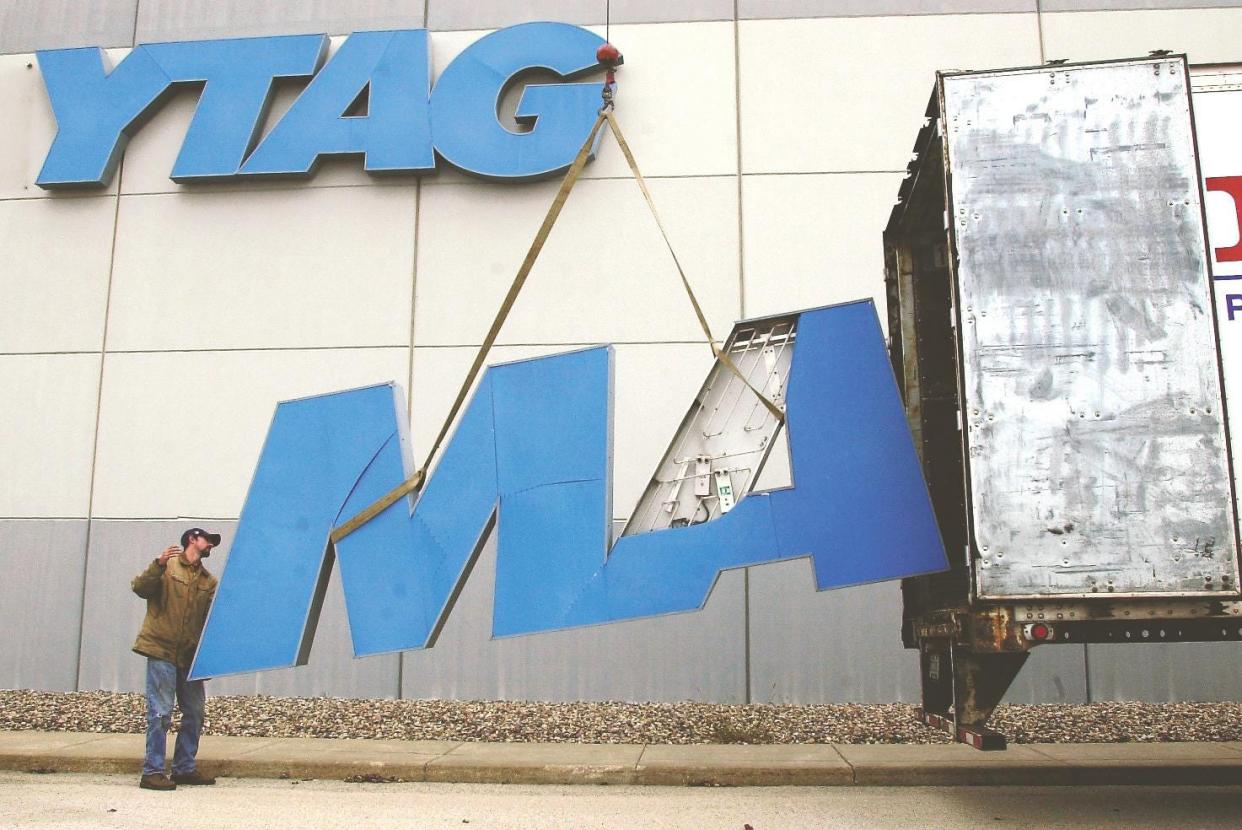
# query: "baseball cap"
(193, 532)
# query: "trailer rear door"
(1095, 427)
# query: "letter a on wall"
(531, 457)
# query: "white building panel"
(604, 274)
(676, 100)
(29, 126)
(54, 282)
(814, 240)
(208, 412)
(47, 429)
(162, 20)
(848, 93)
(1205, 35)
(319, 267)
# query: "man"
(178, 591)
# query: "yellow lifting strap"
(415, 481)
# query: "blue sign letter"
(96, 111)
(463, 105)
(405, 123)
(392, 69)
(238, 75)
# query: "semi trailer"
(1061, 346)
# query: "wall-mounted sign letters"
(406, 123)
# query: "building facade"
(149, 327)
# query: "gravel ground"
(662, 723)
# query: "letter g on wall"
(406, 123)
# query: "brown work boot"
(156, 781)
(192, 779)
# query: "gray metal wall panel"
(1128, 5)
(757, 9)
(492, 14)
(845, 646)
(119, 550)
(826, 647)
(112, 613)
(58, 24)
(1160, 672)
(1052, 674)
(40, 602)
(807, 647)
(662, 11)
(26, 27)
(443, 15)
(164, 20)
(695, 656)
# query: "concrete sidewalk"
(695, 765)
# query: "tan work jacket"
(178, 597)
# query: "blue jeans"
(163, 680)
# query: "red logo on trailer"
(1233, 186)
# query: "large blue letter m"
(531, 456)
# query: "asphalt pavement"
(73, 801)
